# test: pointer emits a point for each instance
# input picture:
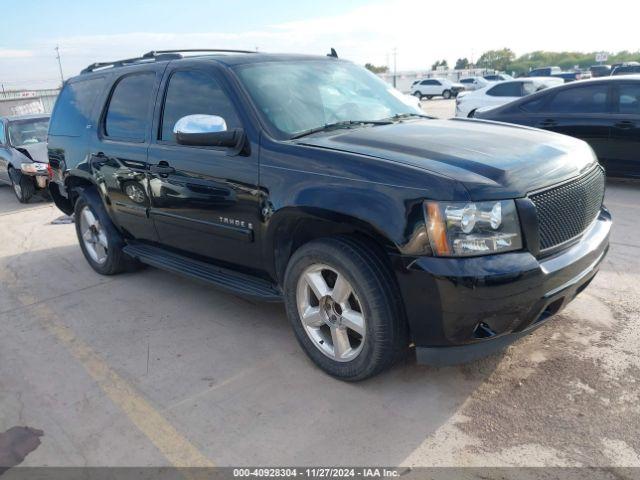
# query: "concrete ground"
(151, 369)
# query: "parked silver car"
(23, 154)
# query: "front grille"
(565, 211)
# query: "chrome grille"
(565, 211)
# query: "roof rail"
(147, 57)
(192, 50)
(156, 55)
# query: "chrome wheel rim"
(93, 236)
(331, 313)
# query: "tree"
(440, 63)
(462, 63)
(497, 59)
(376, 69)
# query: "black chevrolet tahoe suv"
(308, 180)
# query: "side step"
(223, 278)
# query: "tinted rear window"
(71, 114)
(629, 99)
(128, 114)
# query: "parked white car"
(435, 87)
(499, 93)
(474, 83)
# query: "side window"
(193, 92)
(534, 105)
(509, 89)
(629, 102)
(437, 82)
(72, 111)
(425, 82)
(2, 140)
(591, 99)
(128, 112)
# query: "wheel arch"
(293, 227)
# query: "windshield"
(27, 132)
(298, 96)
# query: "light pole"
(57, 49)
(395, 55)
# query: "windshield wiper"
(402, 116)
(337, 125)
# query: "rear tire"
(100, 241)
(446, 94)
(368, 331)
(23, 186)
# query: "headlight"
(463, 229)
(35, 167)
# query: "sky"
(420, 31)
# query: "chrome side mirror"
(200, 124)
(208, 131)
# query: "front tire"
(99, 240)
(23, 186)
(344, 306)
(418, 95)
(446, 94)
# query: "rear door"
(118, 153)
(625, 130)
(582, 111)
(205, 200)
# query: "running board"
(223, 278)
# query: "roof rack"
(155, 56)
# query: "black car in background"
(605, 112)
(628, 69)
(600, 70)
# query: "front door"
(625, 131)
(118, 153)
(583, 112)
(205, 200)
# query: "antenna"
(57, 49)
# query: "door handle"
(624, 124)
(162, 168)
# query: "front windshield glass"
(27, 132)
(298, 96)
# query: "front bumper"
(465, 308)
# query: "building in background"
(26, 102)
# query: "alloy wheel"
(93, 236)
(331, 313)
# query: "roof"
(226, 57)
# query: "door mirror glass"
(206, 131)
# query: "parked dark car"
(605, 112)
(627, 69)
(568, 76)
(23, 155)
(600, 70)
(308, 180)
(544, 72)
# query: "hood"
(35, 151)
(492, 160)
